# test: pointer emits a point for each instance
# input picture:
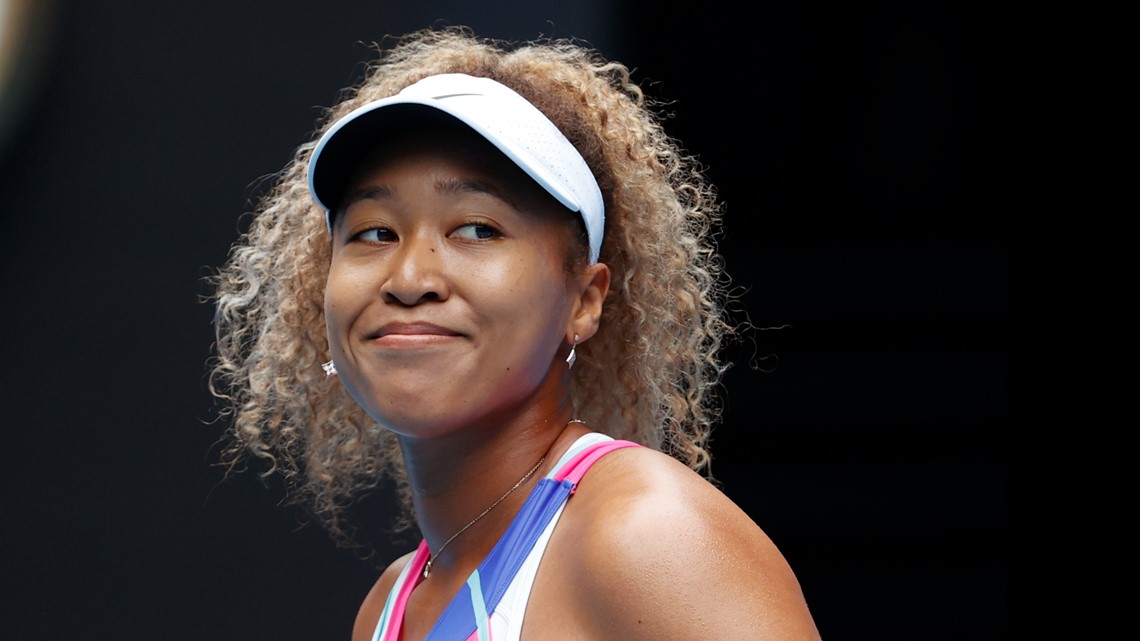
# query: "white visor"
(506, 119)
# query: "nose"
(416, 273)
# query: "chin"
(415, 424)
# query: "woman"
(492, 279)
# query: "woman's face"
(448, 296)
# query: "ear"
(593, 285)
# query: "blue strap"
(499, 568)
(464, 614)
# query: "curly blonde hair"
(651, 373)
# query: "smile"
(405, 335)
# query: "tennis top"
(491, 605)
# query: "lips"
(412, 333)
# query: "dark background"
(867, 436)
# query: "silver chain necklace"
(433, 557)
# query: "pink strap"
(576, 467)
(419, 560)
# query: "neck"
(454, 478)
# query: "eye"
(476, 231)
(376, 235)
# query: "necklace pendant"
(427, 568)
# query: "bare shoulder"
(369, 613)
(665, 555)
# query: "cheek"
(517, 286)
(534, 294)
(341, 292)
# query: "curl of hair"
(652, 372)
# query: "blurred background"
(866, 435)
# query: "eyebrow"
(366, 193)
(467, 185)
(445, 187)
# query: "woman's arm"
(668, 556)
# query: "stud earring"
(573, 356)
(330, 368)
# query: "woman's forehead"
(480, 165)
